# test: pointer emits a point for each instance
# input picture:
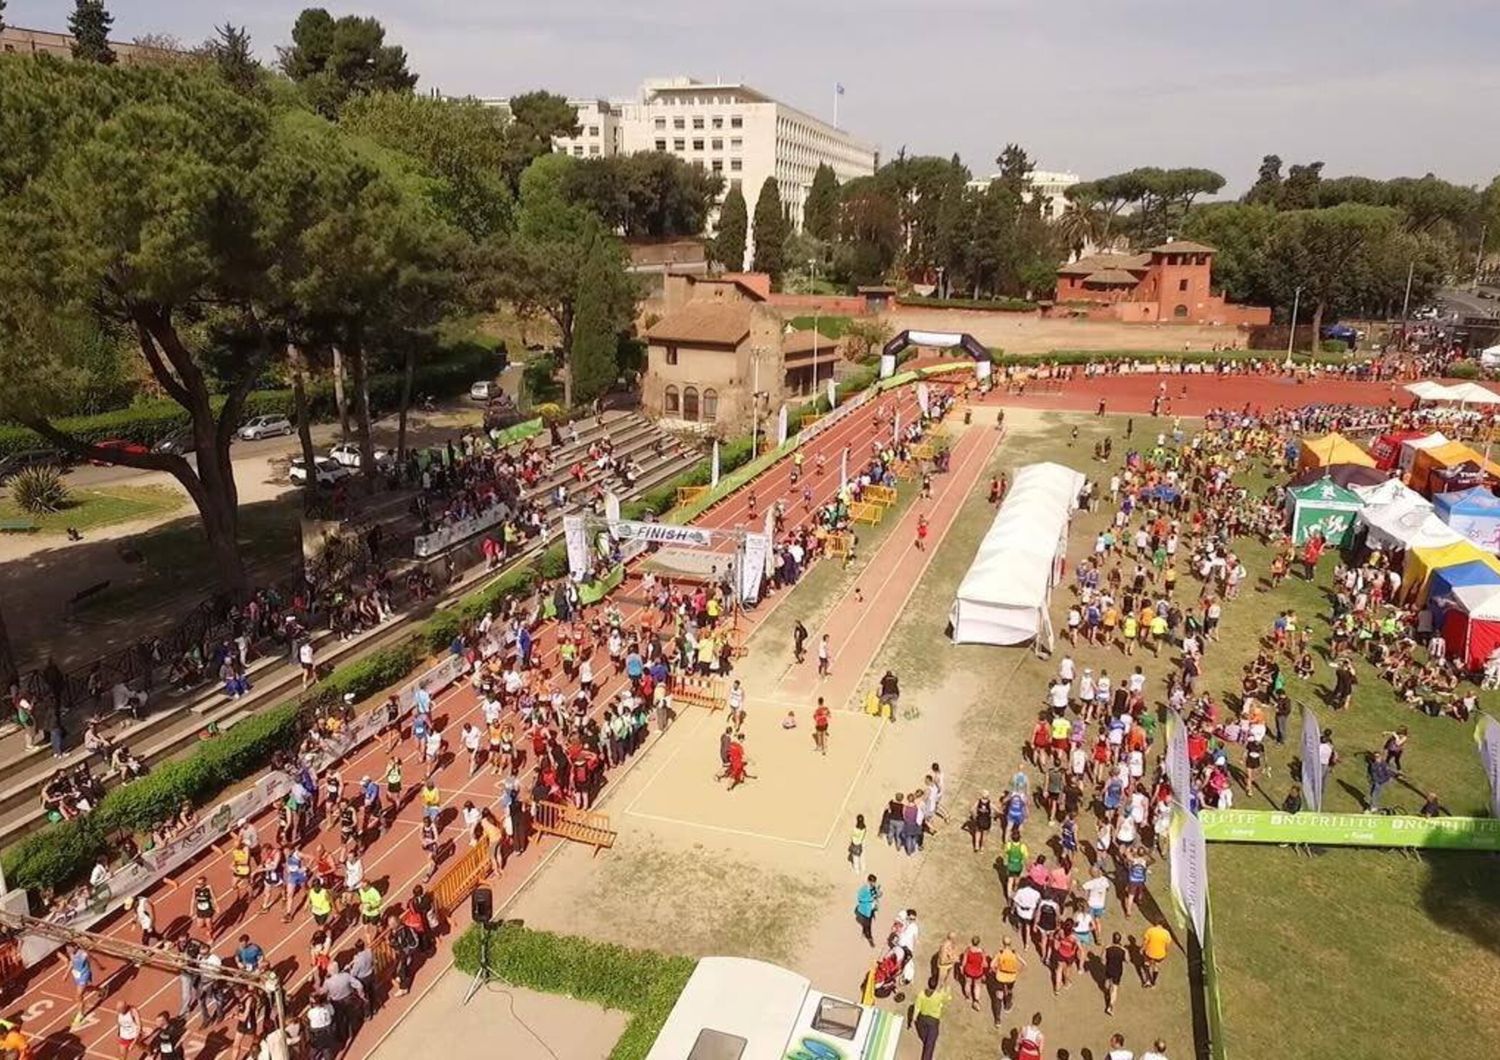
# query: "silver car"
(264, 427)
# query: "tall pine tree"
(820, 214)
(729, 239)
(770, 231)
(593, 357)
(90, 24)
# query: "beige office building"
(1050, 185)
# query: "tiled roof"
(1181, 246)
(712, 322)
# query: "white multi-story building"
(1051, 186)
(598, 130)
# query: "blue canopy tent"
(1162, 493)
(1475, 513)
(1445, 579)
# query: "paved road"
(1467, 303)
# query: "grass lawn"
(90, 509)
(1305, 945)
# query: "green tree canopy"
(535, 118)
(769, 231)
(820, 214)
(730, 234)
(336, 59)
(229, 48)
(647, 195)
(89, 25)
(593, 363)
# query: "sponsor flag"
(1312, 761)
(922, 397)
(770, 532)
(612, 506)
(1189, 869)
(753, 566)
(713, 480)
(1179, 768)
(576, 536)
(1487, 737)
(833, 394)
(843, 467)
(781, 426)
(895, 426)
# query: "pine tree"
(592, 359)
(90, 24)
(820, 214)
(729, 240)
(233, 58)
(770, 231)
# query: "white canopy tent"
(1462, 393)
(1489, 357)
(1405, 524)
(1412, 446)
(1003, 598)
(1391, 491)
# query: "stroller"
(888, 977)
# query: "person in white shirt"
(1117, 1050)
(1023, 906)
(1158, 1051)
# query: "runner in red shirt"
(820, 727)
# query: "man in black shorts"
(799, 641)
(1114, 970)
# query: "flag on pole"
(895, 426)
(713, 479)
(844, 467)
(781, 427)
(833, 395)
(838, 89)
(1312, 761)
(1487, 737)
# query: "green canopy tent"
(1323, 507)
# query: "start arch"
(943, 340)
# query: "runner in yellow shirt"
(1156, 941)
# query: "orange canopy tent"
(1331, 449)
(1445, 456)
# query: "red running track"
(394, 860)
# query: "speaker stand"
(485, 972)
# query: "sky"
(1382, 88)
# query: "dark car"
(18, 462)
(178, 443)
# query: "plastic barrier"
(706, 692)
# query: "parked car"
(501, 412)
(118, 445)
(483, 390)
(328, 471)
(264, 427)
(18, 462)
(347, 455)
(178, 443)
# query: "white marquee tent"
(1003, 598)
(1408, 523)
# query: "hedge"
(62, 854)
(148, 422)
(998, 305)
(1069, 357)
(643, 983)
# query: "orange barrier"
(808, 421)
(840, 545)
(879, 495)
(690, 494)
(569, 822)
(459, 879)
(706, 692)
(865, 512)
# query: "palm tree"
(1081, 224)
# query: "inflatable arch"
(943, 340)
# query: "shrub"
(39, 490)
(1464, 370)
(1000, 305)
(550, 412)
(644, 983)
(1333, 346)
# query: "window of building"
(671, 354)
(697, 145)
(697, 123)
(718, 165)
(717, 144)
(690, 403)
(1182, 285)
(718, 123)
(661, 123)
(672, 403)
(661, 145)
(679, 145)
(593, 130)
(736, 143)
(735, 165)
(679, 123)
(578, 150)
(593, 149)
(710, 405)
(1180, 312)
(736, 122)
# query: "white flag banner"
(1189, 868)
(1487, 736)
(896, 426)
(713, 479)
(611, 506)
(576, 535)
(833, 395)
(844, 467)
(1312, 761)
(770, 532)
(1179, 767)
(753, 569)
(781, 426)
(922, 397)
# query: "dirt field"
(1029, 333)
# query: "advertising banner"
(770, 532)
(1189, 868)
(424, 545)
(1351, 830)
(611, 505)
(1312, 760)
(844, 467)
(833, 394)
(1487, 738)
(753, 569)
(576, 537)
(713, 475)
(922, 397)
(1179, 767)
(781, 430)
(661, 533)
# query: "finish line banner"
(1351, 830)
(661, 534)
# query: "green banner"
(1351, 830)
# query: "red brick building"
(1169, 283)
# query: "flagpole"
(835, 106)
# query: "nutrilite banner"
(1351, 830)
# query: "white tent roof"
(1463, 393)
(1003, 597)
(1428, 390)
(1481, 602)
(1409, 524)
(1391, 491)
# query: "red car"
(119, 445)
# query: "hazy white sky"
(1378, 87)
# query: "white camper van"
(738, 1009)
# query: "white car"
(484, 390)
(347, 455)
(328, 471)
(265, 427)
